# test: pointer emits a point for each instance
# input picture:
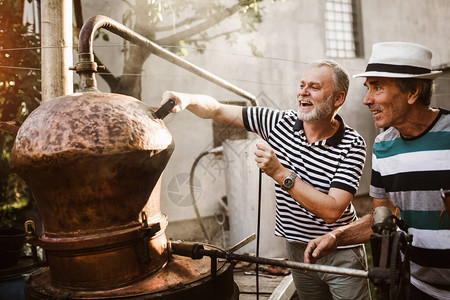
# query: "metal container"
(92, 160)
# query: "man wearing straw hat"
(410, 164)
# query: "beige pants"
(323, 286)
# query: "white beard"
(319, 111)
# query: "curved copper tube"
(86, 67)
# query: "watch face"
(288, 182)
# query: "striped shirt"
(335, 162)
(410, 173)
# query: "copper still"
(92, 160)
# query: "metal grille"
(342, 29)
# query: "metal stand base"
(181, 278)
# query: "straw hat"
(400, 60)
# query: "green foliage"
(14, 193)
(19, 95)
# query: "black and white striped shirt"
(335, 162)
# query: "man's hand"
(268, 162)
(181, 100)
(320, 247)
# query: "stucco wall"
(291, 36)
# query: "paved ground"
(247, 285)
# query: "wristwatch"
(288, 182)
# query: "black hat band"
(397, 69)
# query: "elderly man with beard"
(316, 161)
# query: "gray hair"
(425, 86)
(341, 79)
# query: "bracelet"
(332, 235)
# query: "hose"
(216, 150)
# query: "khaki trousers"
(323, 286)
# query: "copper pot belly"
(92, 160)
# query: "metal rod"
(197, 251)
(258, 232)
(297, 265)
(85, 51)
(241, 243)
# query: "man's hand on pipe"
(182, 100)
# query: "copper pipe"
(86, 67)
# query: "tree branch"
(128, 3)
(106, 74)
(183, 22)
(78, 13)
(213, 20)
(213, 37)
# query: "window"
(343, 34)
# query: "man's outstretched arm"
(205, 107)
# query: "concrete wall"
(291, 36)
(441, 96)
